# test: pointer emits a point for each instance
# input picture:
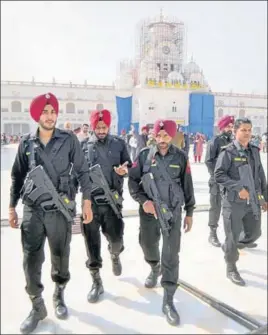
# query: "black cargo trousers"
(214, 211)
(112, 228)
(149, 237)
(240, 225)
(36, 226)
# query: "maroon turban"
(98, 116)
(145, 128)
(168, 125)
(225, 121)
(38, 104)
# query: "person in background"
(178, 139)
(151, 139)
(84, 133)
(142, 139)
(133, 144)
(198, 147)
(67, 125)
(124, 135)
(214, 147)
(186, 147)
(77, 130)
(264, 142)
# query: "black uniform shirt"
(107, 153)
(177, 166)
(226, 171)
(69, 152)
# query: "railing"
(54, 84)
(59, 98)
(244, 95)
(160, 84)
(244, 107)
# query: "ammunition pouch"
(68, 185)
(213, 188)
(261, 199)
(176, 194)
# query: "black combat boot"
(213, 238)
(169, 309)
(246, 245)
(38, 313)
(97, 288)
(233, 275)
(151, 280)
(61, 310)
(116, 264)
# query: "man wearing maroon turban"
(142, 139)
(57, 152)
(171, 173)
(214, 146)
(110, 152)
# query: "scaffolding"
(160, 49)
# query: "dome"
(191, 67)
(174, 75)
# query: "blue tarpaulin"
(201, 114)
(124, 113)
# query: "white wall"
(252, 106)
(84, 99)
(162, 100)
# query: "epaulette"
(117, 138)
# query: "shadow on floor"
(105, 326)
(193, 312)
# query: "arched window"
(220, 113)
(16, 106)
(242, 113)
(99, 107)
(70, 108)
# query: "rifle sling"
(47, 160)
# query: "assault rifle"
(163, 213)
(109, 197)
(38, 184)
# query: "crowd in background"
(8, 139)
(137, 141)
